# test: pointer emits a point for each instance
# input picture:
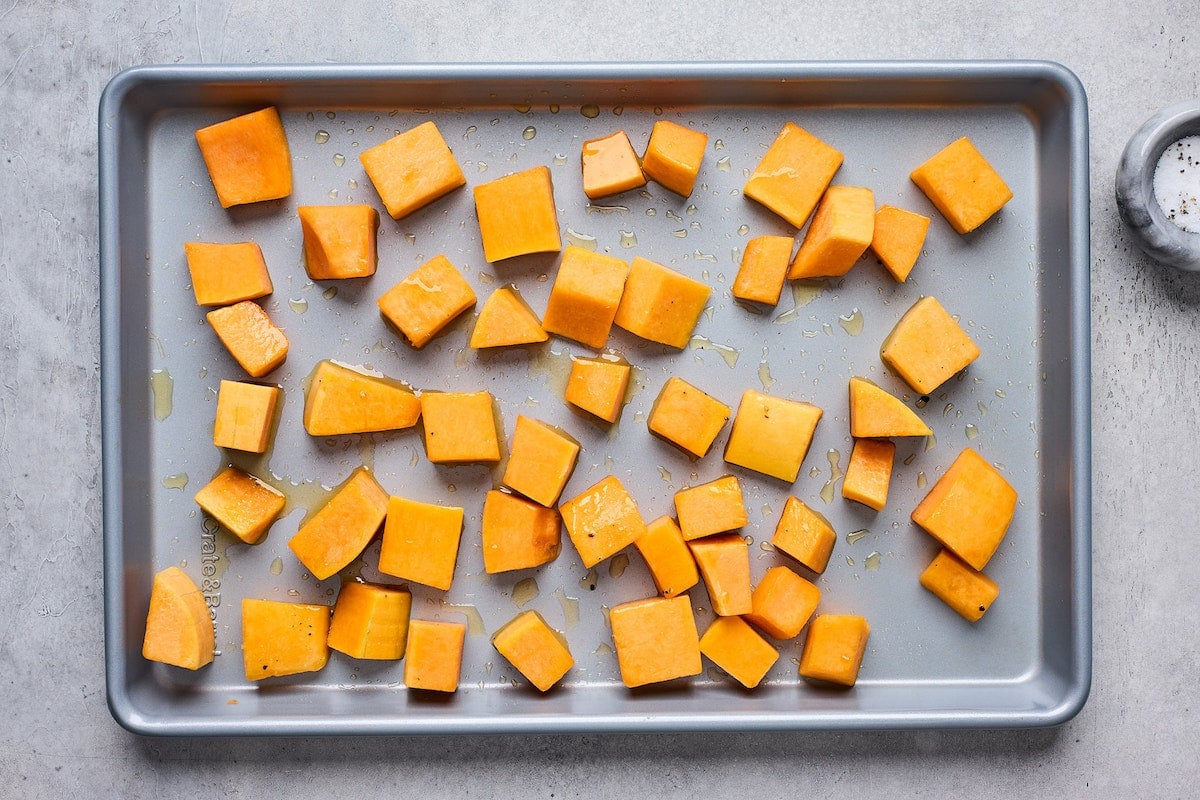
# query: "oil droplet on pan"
(590, 110)
(179, 481)
(163, 387)
(524, 591)
(277, 566)
(321, 137)
(616, 567)
(338, 159)
(529, 133)
(299, 305)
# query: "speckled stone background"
(1139, 734)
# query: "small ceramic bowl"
(1154, 232)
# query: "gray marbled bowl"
(1154, 233)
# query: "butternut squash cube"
(713, 507)
(341, 529)
(834, 649)
(783, 603)
(241, 503)
(960, 586)
(245, 416)
(668, 557)
(518, 534)
(962, 185)
(724, 564)
(804, 534)
(869, 472)
(735, 647)
(256, 343)
(771, 435)
(420, 542)
(460, 427)
(598, 385)
(764, 269)
(426, 301)
(247, 158)
(927, 347)
(673, 156)
(661, 304)
(656, 640)
(517, 215)
(343, 400)
(412, 169)
(434, 658)
(687, 417)
(877, 413)
(370, 621)
(223, 274)
(602, 521)
(179, 629)
(539, 652)
(339, 241)
(898, 238)
(506, 320)
(610, 166)
(283, 638)
(793, 174)
(840, 233)
(540, 461)
(969, 509)
(585, 295)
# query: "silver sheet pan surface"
(1019, 285)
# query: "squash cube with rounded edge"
(840, 232)
(241, 503)
(687, 417)
(540, 461)
(959, 585)
(517, 533)
(793, 174)
(962, 185)
(602, 521)
(656, 640)
(254, 341)
(724, 564)
(505, 320)
(517, 215)
(370, 621)
(667, 557)
(771, 435)
(247, 158)
(673, 156)
(898, 238)
(876, 413)
(179, 629)
(969, 509)
(539, 652)
(433, 660)
(610, 166)
(804, 534)
(342, 400)
(713, 507)
(598, 385)
(833, 651)
(342, 528)
(585, 296)
(425, 302)
(339, 241)
(783, 603)
(420, 542)
(927, 347)
(660, 304)
(412, 169)
(245, 415)
(460, 427)
(735, 647)
(223, 274)
(764, 269)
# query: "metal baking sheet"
(1019, 285)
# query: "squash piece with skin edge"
(539, 652)
(254, 341)
(673, 156)
(241, 503)
(370, 621)
(283, 638)
(247, 158)
(793, 174)
(342, 400)
(898, 238)
(724, 564)
(517, 533)
(517, 215)
(412, 169)
(341, 529)
(927, 347)
(425, 302)
(420, 542)
(223, 274)
(735, 647)
(660, 304)
(656, 640)
(339, 241)
(610, 166)
(713, 507)
(962, 185)
(783, 603)
(540, 461)
(602, 521)
(505, 320)
(869, 472)
(834, 649)
(969, 509)
(179, 629)
(585, 296)
(875, 413)
(433, 661)
(667, 557)
(687, 417)
(839, 234)
(804, 534)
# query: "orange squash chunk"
(223, 274)
(241, 503)
(540, 461)
(969, 509)
(869, 472)
(927, 347)
(793, 174)
(840, 232)
(343, 400)
(517, 215)
(656, 640)
(804, 534)
(256, 343)
(673, 156)
(668, 557)
(412, 169)
(370, 621)
(585, 295)
(420, 542)
(734, 646)
(962, 185)
(724, 564)
(783, 603)
(179, 630)
(965, 589)
(898, 238)
(460, 427)
(834, 649)
(876, 413)
(518, 534)
(506, 320)
(434, 658)
(687, 417)
(771, 435)
(602, 521)
(283, 638)
(660, 304)
(539, 652)
(713, 507)
(610, 166)
(598, 385)
(426, 301)
(764, 269)
(342, 528)
(245, 415)
(247, 158)
(339, 241)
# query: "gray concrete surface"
(1139, 734)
